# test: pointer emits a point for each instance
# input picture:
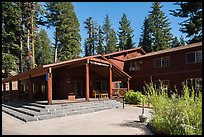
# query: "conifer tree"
(110, 37)
(112, 43)
(192, 26)
(182, 41)
(125, 33)
(43, 49)
(159, 28)
(91, 41)
(175, 43)
(69, 37)
(11, 28)
(145, 39)
(100, 46)
(62, 17)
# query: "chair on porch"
(95, 93)
(104, 94)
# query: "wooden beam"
(110, 81)
(87, 80)
(99, 60)
(128, 84)
(10, 90)
(49, 87)
(30, 88)
(4, 87)
(19, 89)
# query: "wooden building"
(170, 66)
(77, 78)
(104, 75)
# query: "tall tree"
(125, 33)
(91, 41)
(112, 42)
(11, 15)
(159, 28)
(43, 49)
(145, 39)
(52, 16)
(192, 26)
(62, 17)
(182, 41)
(100, 46)
(69, 37)
(175, 43)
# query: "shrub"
(134, 97)
(175, 115)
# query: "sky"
(135, 12)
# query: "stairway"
(35, 111)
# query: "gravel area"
(106, 122)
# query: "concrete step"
(35, 111)
(43, 117)
(19, 115)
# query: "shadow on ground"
(137, 124)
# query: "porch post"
(19, 89)
(110, 81)
(49, 86)
(4, 87)
(10, 90)
(128, 84)
(87, 80)
(30, 88)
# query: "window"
(135, 66)
(164, 83)
(194, 57)
(196, 83)
(161, 62)
(119, 84)
(199, 56)
(43, 88)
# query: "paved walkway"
(107, 122)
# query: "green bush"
(134, 97)
(175, 115)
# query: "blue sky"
(135, 11)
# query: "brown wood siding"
(176, 72)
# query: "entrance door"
(78, 88)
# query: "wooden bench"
(103, 95)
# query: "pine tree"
(192, 26)
(52, 16)
(43, 49)
(159, 28)
(11, 28)
(68, 32)
(125, 33)
(112, 42)
(182, 41)
(175, 43)
(91, 41)
(100, 46)
(145, 39)
(62, 17)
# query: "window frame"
(135, 66)
(195, 58)
(161, 64)
(162, 81)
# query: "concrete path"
(107, 122)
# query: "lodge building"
(103, 76)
